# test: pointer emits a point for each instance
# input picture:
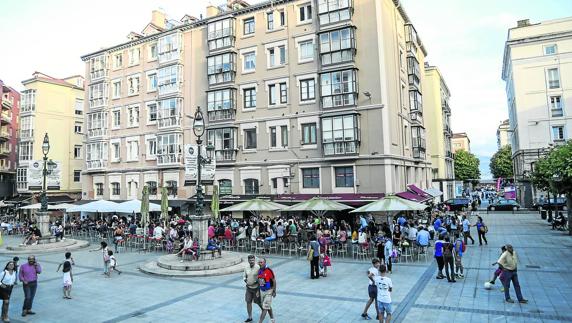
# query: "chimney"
(158, 18)
(212, 11)
(523, 23)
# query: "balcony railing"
(98, 74)
(225, 155)
(5, 149)
(219, 115)
(411, 49)
(448, 154)
(418, 152)
(341, 148)
(167, 122)
(96, 164)
(225, 32)
(168, 159)
(92, 133)
(27, 133)
(7, 102)
(4, 134)
(447, 129)
(416, 115)
(419, 143)
(97, 103)
(5, 118)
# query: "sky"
(464, 39)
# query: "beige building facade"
(503, 134)
(308, 97)
(436, 97)
(461, 141)
(537, 70)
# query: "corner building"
(310, 97)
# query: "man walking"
(371, 288)
(29, 278)
(314, 255)
(508, 261)
(439, 257)
(267, 283)
(252, 289)
(467, 230)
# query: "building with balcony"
(460, 141)
(503, 134)
(56, 107)
(437, 121)
(9, 111)
(299, 97)
(537, 69)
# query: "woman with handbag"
(6, 284)
(482, 230)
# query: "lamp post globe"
(45, 151)
(199, 124)
(46, 145)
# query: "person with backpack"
(267, 284)
(448, 260)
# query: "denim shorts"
(384, 307)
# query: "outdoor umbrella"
(215, 202)
(390, 204)
(144, 213)
(134, 206)
(62, 206)
(318, 206)
(255, 206)
(95, 206)
(2, 204)
(164, 205)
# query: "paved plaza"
(545, 259)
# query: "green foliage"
(466, 166)
(501, 163)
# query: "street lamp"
(199, 131)
(45, 151)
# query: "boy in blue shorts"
(384, 289)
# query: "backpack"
(447, 250)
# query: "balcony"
(416, 116)
(333, 149)
(7, 101)
(4, 150)
(98, 103)
(225, 155)
(447, 130)
(5, 118)
(94, 133)
(5, 166)
(168, 159)
(411, 49)
(4, 134)
(26, 134)
(168, 122)
(448, 154)
(96, 164)
(220, 115)
(96, 75)
(419, 152)
(445, 107)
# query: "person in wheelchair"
(559, 221)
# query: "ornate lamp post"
(45, 151)
(199, 131)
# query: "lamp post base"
(201, 228)
(43, 222)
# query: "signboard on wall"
(36, 177)
(207, 170)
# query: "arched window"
(251, 186)
(225, 187)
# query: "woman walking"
(6, 284)
(482, 231)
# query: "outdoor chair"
(342, 250)
(259, 247)
(273, 245)
(361, 253)
(121, 246)
(406, 254)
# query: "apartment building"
(53, 106)
(309, 97)
(436, 102)
(461, 141)
(503, 134)
(9, 110)
(537, 70)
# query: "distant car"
(458, 204)
(558, 203)
(504, 205)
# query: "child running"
(112, 264)
(67, 274)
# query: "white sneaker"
(181, 261)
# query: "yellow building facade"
(53, 106)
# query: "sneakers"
(248, 320)
(365, 316)
(440, 277)
(492, 282)
(510, 300)
(523, 301)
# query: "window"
(274, 182)
(311, 177)
(223, 139)
(249, 98)
(22, 178)
(270, 20)
(337, 46)
(117, 89)
(344, 176)
(115, 188)
(152, 186)
(97, 95)
(134, 56)
(117, 60)
(331, 11)
(98, 189)
(26, 150)
(132, 149)
(97, 67)
(557, 133)
(133, 116)
(272, 136)
(273, 96)
(248, 26)
(282, 18)
(221, 68)
(169, 79)
(169, 148)
(251, 186)
(309, 134)
(168, 48)
(116, 119)
(278, 136)
(220, 34)
(249, 62)
(77, 151)
(115, 151)
(340, 135)
(77, 176)
(96, 155)
(221, 104)
(77, 127)
(553, 78)
(151, 146)
(250, 138)
(284, 135)
(556, 106)
(306, 51)
(283, 93)
(151, 82)
(169, 112)
(307, 90)
(305, 13)
(151, 113)
(78, 107)
(171, 188)
(225, 187)
(339, 88)
(133, 85)
(28, 102)
(550, 49)
(152, 51)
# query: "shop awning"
(418, 191)
(347, 198)
(433, 192)
(412, 197)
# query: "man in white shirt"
(384, 289)
(371, 288)
(158, 232)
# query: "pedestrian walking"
(67, 274)
(29, 278)
(372, 288)
(267, 284)
(384, 288)
(388, 254)
(448, 260)
(509, 261)
(314, 257)
(112, 263)
(467, 230)
(439, 257)
(482, 230)
(458, 254)
(104, 252)
(252, 294)
(6, 284)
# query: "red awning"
(416, 190)
(412, 197)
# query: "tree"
(554, 172)
(501, 163)
(466, 166)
